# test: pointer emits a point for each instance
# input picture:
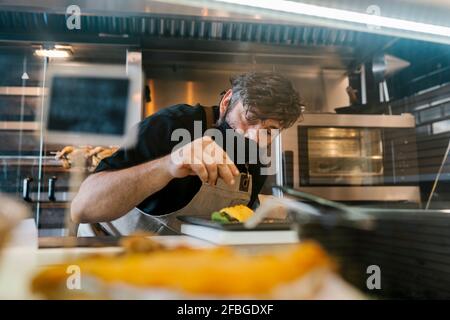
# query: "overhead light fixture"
(58, 51)
(52, 53)
(343, 15)
(63, 47)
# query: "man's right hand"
(204, 158)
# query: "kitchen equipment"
(410, 247)
(352, 157)
(269, 231)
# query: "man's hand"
(204, 158)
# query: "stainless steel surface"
(278, 163)
(432, 13)
(438, 175)
(371, 165)
(366, 193)
(429, 10)
(435, 18)
(134, 60)
(29, 160)
(128, 28)
(169, 85)
(363, 85)
(304, 55)
(378, 67)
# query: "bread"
(220, 273)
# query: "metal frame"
(349, 193)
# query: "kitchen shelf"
(25, 91)
(18, 125)
(29, 160)
(47, 161)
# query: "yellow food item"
(219, 271)
(240, 212)
(92, 155)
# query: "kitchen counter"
(335, 287)
(26, 254)
(54, 250)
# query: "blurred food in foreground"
(92, 155)
(140, 242)
(301, 272)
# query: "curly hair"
(267, 95)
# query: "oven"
(352, 157)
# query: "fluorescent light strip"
(343, 15)
(52, 53)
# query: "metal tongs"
(333, 213)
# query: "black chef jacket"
(154, 141)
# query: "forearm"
(108, 195)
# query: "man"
(149, 185)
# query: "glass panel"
(29, 170)
(62, 178)
(441, 126)
(21, 96)
(345, 156)
(446, 108)
(430, 114)
(423, 130)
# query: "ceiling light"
(53, 53)
(343, 15)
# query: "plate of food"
(233, 219)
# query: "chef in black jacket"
(148, 185)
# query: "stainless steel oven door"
(351, 157)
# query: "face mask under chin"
(245, 149)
